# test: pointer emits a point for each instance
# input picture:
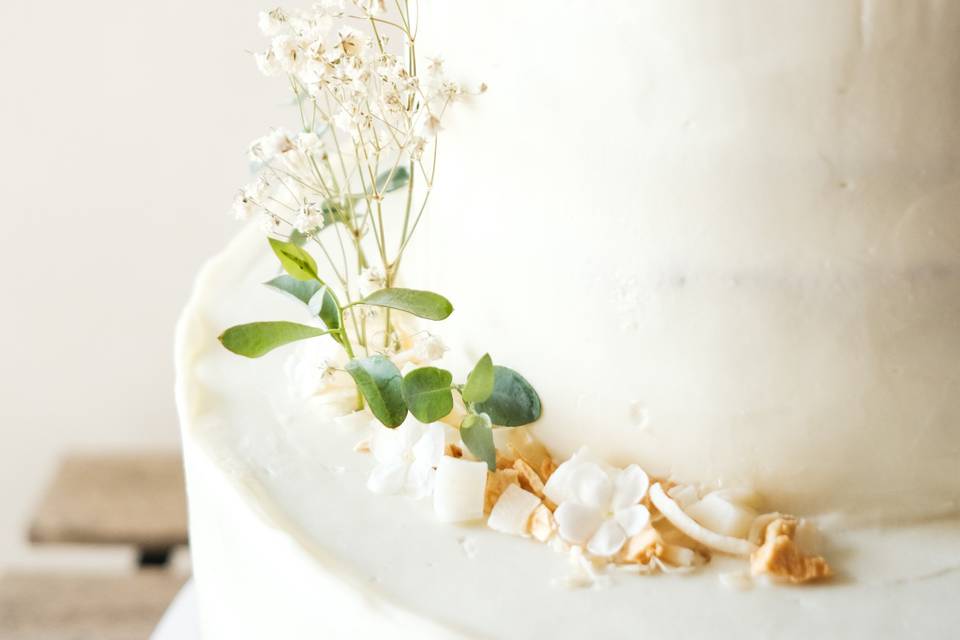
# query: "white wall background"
(123, 126)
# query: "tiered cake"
(723, 242)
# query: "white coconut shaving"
(672, 512)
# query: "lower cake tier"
(288, 542)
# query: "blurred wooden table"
(133, 499)
(50, 606)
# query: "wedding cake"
(721, 242)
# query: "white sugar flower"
(406, 457)
(599, 506)
(309, 218)
(272, 22)
(429, 349)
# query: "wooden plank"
(84, 607)
(134, 499)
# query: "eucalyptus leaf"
(381, 384)
(479, 385)
(423, 304)
(427, 393)
(295, 260)
(258, 338)
(391, 181)
(476, 431)
(301, 290)
(513, 402)
(323, 305)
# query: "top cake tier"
(723, 239)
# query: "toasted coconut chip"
(519, 444)
(542, 524)
(513, 511)
(532, 482)
(672, 512)
(363, 446)
(722, 516)
(642, 548)
(759, 527)
(780, 557)
(497, 483)
(454, 451)
(678, 556)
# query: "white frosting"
(288, 542)
(722, 240)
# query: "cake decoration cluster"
(352, 186)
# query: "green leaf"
(387, 182)
(480, 381)
(513, 402)
(381, 384)
(296, 261)
(323, 305)
(476, 431)
(301, 290)
(427, 393)
(297, 238)
(423, 304)
(258, 338)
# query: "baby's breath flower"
(371, 279)
(243, 207)
(274, 144)
(309, 218)
(267, 63)
(308, 142)
(271, 224)
(272, 22)
(429, 348)
(288, 52)
(371, 7)
(350, 42)
(328, 8)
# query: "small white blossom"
(243, 207)
(272, 22)
(350, 42)
(288, 52)
(599, 506)
(309, 142)
(271, 224)
(406, 457)
(328, 8)
(371, 279)
(267, 63)
(309, 218)
(274, 144)
(429, 349)
(371, 7)
(428, 127)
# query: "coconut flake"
(459, 490)
(722, 516)
(672, 512)
(511, 514)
